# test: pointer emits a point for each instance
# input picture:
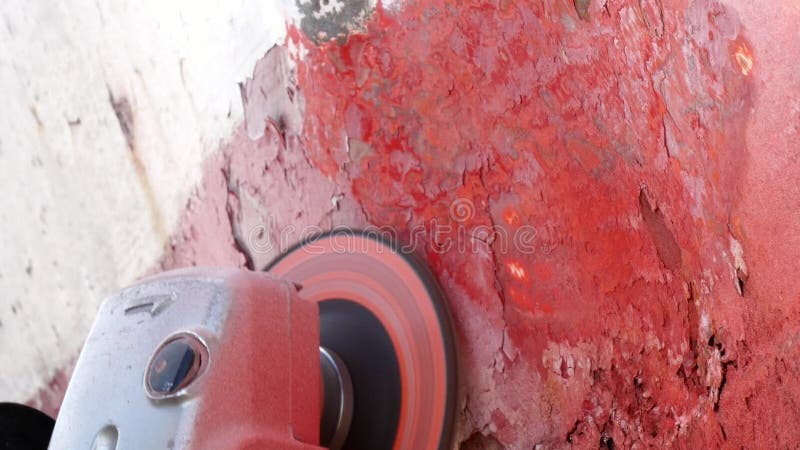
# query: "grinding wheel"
(383, 313)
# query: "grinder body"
(197, 359)
(346, 344)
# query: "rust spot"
(358, 150)
(323, 20)
(666, 245)
(739, 265)
(479, 441)
(124, 113)
(35, 114)
(122, 109)
(582, 8)
(607, 442)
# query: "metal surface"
(250, 324)
(360, 340)
(345, 269)
(338, 400)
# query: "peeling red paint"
(618, 141)
(635, 142)
(618, 138)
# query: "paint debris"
(270, 96)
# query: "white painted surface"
(77, 220)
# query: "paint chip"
(744, 59)
(271, 95)
(739, 266)
(582, 8)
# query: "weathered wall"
(647, 149)
(109, 110)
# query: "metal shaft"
(337, 404)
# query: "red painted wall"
(606, 190)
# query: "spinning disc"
(382, 312)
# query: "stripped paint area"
(614, 137)
(552, 116)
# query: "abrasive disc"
(383, 313)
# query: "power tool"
(344, 342)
